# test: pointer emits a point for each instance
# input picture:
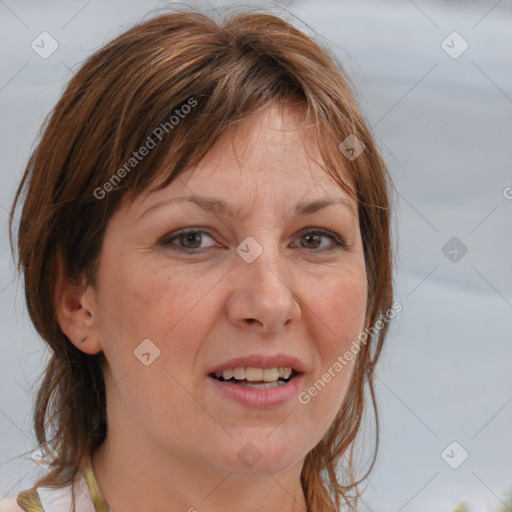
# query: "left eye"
(315, 237)
(190, 239)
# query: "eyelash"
(338, 243)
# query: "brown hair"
(224, 70)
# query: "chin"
(263, 451)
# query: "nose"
(263, 296)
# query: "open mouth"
(256, 378)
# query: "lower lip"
(259, 398)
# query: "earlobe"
(75, 313)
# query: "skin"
(172, 436)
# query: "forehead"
(272, 157)
(275, 139)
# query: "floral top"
(88, 497)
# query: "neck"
(132, 479)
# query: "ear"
(75, 309)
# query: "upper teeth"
(256, 374)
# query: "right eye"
(188, 240)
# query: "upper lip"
(260, 361)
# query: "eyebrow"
(220, 207)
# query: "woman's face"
(264, 286)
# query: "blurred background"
(434, 79)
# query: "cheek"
(173, 307)
(151, 301)
(175, 310)
(339, 303)
(338, 307)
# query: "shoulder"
(47, 498)
(10, 505)
(25, 501)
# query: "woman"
(205, 242)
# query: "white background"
(445, 128)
